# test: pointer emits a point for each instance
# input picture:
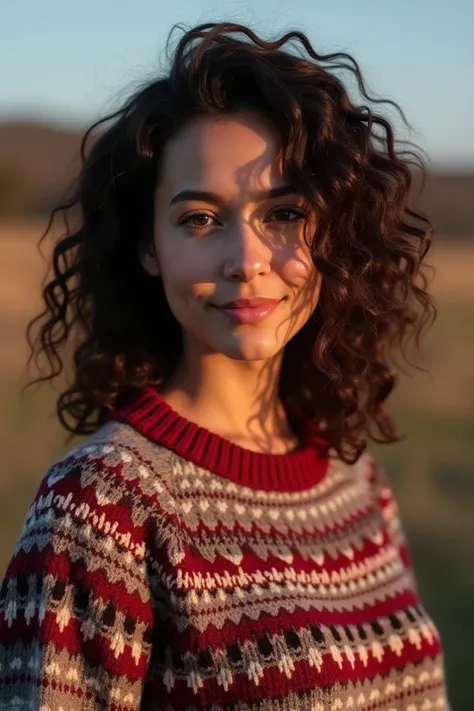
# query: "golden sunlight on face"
(229, 227)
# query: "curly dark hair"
(369, 244)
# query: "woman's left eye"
(282, 214)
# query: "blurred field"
(432, 470)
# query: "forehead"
(227, 154)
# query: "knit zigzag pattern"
(144, 581)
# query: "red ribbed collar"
(300, 469)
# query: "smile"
(249, 314)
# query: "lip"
(250, 303)
(248, 311)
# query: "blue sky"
(73, 61)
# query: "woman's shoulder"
(107, 486)
(114, 461)
(367, 471)
(371, 483)
(378, 480)
(382, 496)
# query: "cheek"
(181, 274)
(298, 271)
(183, 269)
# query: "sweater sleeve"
(75, 609)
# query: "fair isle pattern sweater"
(163, 567)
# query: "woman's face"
(228, 226)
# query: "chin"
(253, 348)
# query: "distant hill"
(449, 201)
(38, 162)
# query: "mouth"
(249, 311)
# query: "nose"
(248, 257)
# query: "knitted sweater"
(163, 567)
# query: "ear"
(149, 261)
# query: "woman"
(247, 262)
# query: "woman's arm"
(75, 609)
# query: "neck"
(237, 399)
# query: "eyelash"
(184, 221)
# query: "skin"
(243, 245)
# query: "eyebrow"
(208, 196)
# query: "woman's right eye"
(197, 221)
